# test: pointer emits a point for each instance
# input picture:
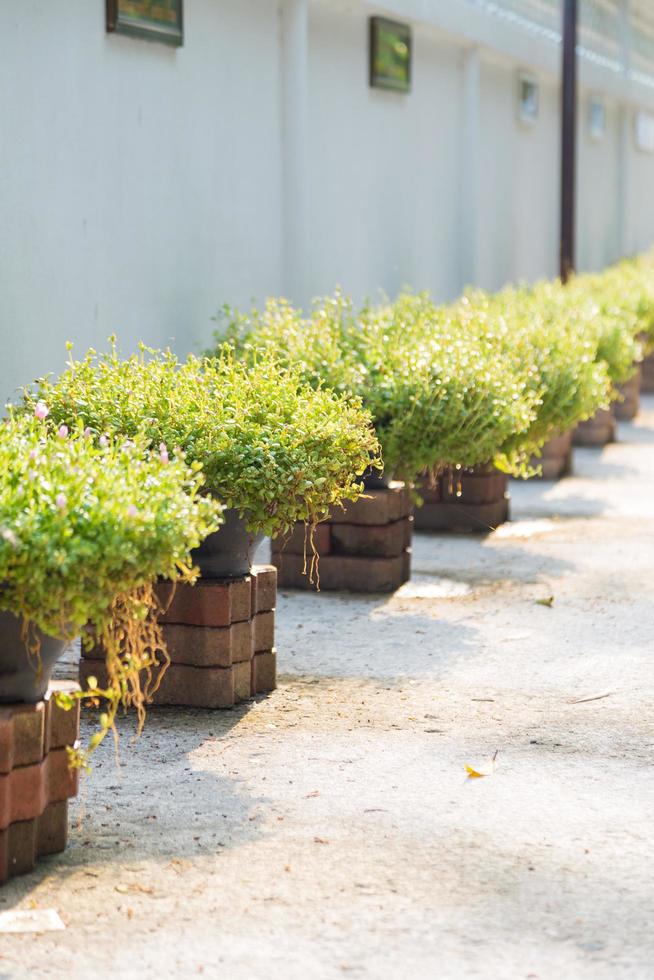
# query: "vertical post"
(469, 188)
(624, 139)
(568, 139)
(294, 110)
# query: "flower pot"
(24, 677)
(627, 408)
(374, 480)
(229, 552)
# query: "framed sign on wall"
(390, 55)
(153, 20)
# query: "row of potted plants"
(487, 380)
(123, 471)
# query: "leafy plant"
(87, 525)
(270, 446)
(435, 397)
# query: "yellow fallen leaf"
(549, 602)
(487, 769)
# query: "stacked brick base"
(555, 460)
(365, 547)
(628, 408)
(220, 635)
(464, 501)
(596, 431)
(35, 781)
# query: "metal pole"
(568, 139)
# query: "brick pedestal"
(628, 408)
(647, 375)
(555, 460)
(464, 501)
(596, 431)
(220, 635)
(35, 781)
(365, 547)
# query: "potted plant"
(541, 332)
(434, 400)
(273, 449)
(87, 524)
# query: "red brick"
(345, 573)
(596, 431)
(22, 734)
(294, 542)
(242, 681)
(628, 408)
(216, 603)
(27, 790)
(264, 631)
(375, 541)
(375, 507)
(264, 588)
(264, 672)
(191, 687)
(647, 375)
(22, 843)
(461, 517)
(62, 727)
(202, 646)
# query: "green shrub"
(270, 446)
(435, 397)
(86, 527)
(549, 337)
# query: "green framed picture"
(153, 20)
(390, 55)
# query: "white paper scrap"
(30, 920)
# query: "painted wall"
(140, 186)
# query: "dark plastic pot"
(374, 480)
(24, 677)
(229, 552)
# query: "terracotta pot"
(23, 677)
(229, 552)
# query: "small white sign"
(31, 920)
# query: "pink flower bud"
(41, 411)
(132, 510)
(63, 432)
(104, 442)
(87, 433)
(61, 501)
(163, 452)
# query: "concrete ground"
(328, 831)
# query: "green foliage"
(436, 397)
(270, 445)
(548, 336)
(81, 523)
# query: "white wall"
(140, 186)
(382, 165)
